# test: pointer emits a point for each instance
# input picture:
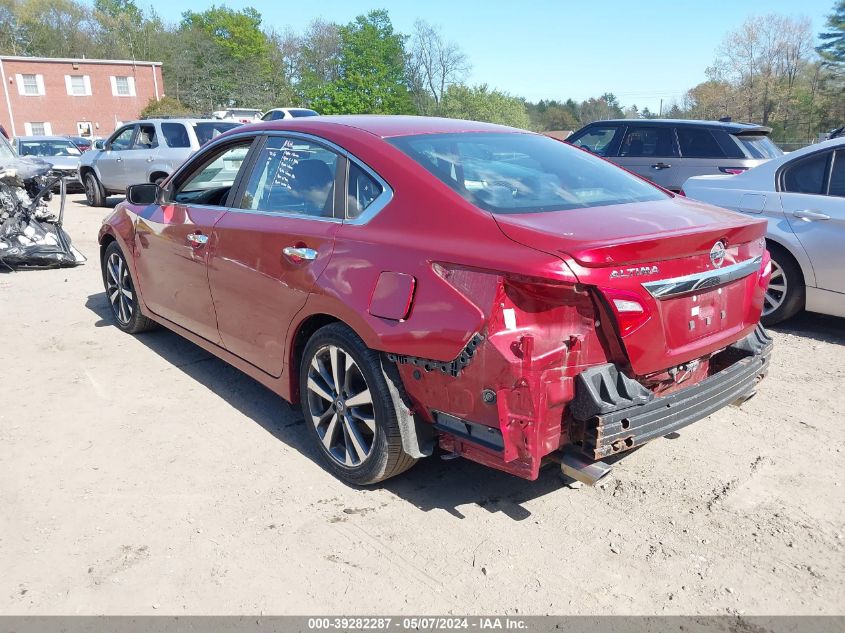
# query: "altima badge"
(717, 254)
(639, 271)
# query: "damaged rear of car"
(643, 320)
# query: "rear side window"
(208, 130)
(698, 142)
(524, 173)
(597, 139)
(175, 135)
(759, 146)
(807, 175)
(837, 175)
(648, 141)
(362, 190)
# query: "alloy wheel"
(119, 289)
(90, 190)
(776, 292)
(341, 406)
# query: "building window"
(78, 85)
(38, 128)
(31, 85)
(123, 86)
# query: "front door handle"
(197, 239)
(809, 215)
(660, 166)
(300, 253)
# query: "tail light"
(681, 193)
(765, 270)
(628, 308)
(733, 171)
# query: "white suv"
(143, 151)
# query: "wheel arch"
(418, 438)
(157, 173)
(791, 254)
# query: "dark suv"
(668, 151)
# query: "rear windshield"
(302, 112)
(524, 173)
(208, 130)
(759, 146)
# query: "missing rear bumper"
(618, 425)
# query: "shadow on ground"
(432, 484)
(819, 327)
(111, 202)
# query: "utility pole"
(660, 113)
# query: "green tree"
(832, 48)
(480, 103)
(237, 32)
(371, 71)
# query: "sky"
(641, 51)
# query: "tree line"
(770, 70)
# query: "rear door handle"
(150, 159)
(809, 215)
(660, 166)
(197, 239)
(300, 253)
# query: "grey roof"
(727, 126)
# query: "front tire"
(349, 409)
(95, 195)
(786, 293)
(120, 293)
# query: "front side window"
(211, 182)
(273, 115)
(837, 175)
(648, 141)
(175, 135)
(524, 173)
(146, 138)
(362, 190)
(292, 176)
(122, 139)
(597, 139)
(807, 175)
(698, 142)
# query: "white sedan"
(802, 194)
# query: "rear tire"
(121, 294)
(95, 195)
(349, 409)
(786, 292)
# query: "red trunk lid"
(652, 264)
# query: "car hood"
(69, 163)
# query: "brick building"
(80, 97)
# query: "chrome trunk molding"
(666, 288)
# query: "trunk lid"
(683, 279)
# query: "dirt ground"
(140, 475)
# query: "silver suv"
(143, 151)
(668, 151)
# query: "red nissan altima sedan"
(415, 282)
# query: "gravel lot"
(140, 475)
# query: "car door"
(173, 240)
(649, 151)
(138, 158)
(812, 192)
(274, 244)
(700, 152)
(110, 163)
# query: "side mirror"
(146, 193)
(99, 144)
